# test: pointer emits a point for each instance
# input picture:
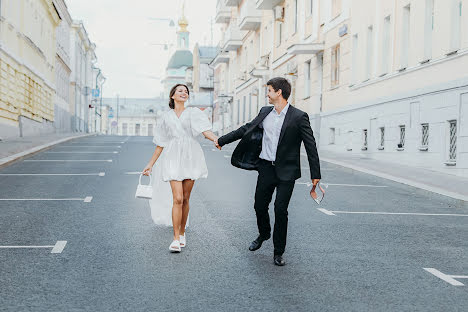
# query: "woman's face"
(181, 94)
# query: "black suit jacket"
(296, 129)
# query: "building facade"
(383, 79)
(27, 61)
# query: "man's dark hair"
(280, 83)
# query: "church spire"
(183, 33)
(183, 23)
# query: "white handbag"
(144, 191)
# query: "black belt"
(270, 162)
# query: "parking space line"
(80, 152)
(446, 277)
(57, 248)
(334, 212)
(101, 174)
(59, 160)
(87, 199)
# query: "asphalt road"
(116, 259)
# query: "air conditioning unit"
(279, 13)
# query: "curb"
(8, 160)
(399, 180)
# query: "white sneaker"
(175, 246)
(183, 242)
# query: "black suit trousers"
(267, 182)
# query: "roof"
(180, 59)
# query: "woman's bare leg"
(177, 203)
(187, 186)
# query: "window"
(150, 130)
(453, 141)
(370, 48)
(307, 79)
(428, 29)
(296, 16)
(335, 66)
(405, 38)
(244, 111)
(124, 128)
(137, 129)
(401, 145)
(364, 139)
(382, 138)
(355, 61)
(386, 46)
(279, 35)
(424, 137)
(336, 8)
(331, 139)
(238, 111)
(456, 25)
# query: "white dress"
(182, 157)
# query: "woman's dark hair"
(173, 90)
(280, 83)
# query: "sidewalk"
(437, 182)
(13, 149)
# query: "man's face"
(273, 95)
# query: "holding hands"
(215, 141)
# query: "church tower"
(183, 33)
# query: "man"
(271, 145)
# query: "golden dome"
(183, 22)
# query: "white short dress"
(182, 157)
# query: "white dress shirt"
(272, 125)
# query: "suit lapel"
(266, 112)
(285, 123)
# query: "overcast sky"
(123, 34)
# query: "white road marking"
(57, 248)
(111, 152)
(337, 184)
(118, 146)
(325, 211)
(133, 172)
(227, 156)
(395, 213)
(101, 174)
(59, 160)
(86, 199)
(445, 277)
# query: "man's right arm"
(236, 134)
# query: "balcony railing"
(249, 17)
(223, 13)
(232, 3)
(233, 37)
(267, 4)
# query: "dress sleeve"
(161, 133)
(199, 121)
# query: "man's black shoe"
(279, 260)
(256, 244)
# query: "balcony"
(249, 17)
(305, 48)
(233, 37)
(223, 13)
(267, 4)
(232, 3)
(221, 57)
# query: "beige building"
(27, 60)
(384, 79)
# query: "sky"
(124, 32)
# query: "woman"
(181, 163)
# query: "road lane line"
(325, 211)
(64, 160)
(227, 156)
(133, 172)
(118, 146)
(101, 174)
(447, 278)
(338, 184)
(400, 213)
(86, 199)
(59, 246)
(91, 152)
